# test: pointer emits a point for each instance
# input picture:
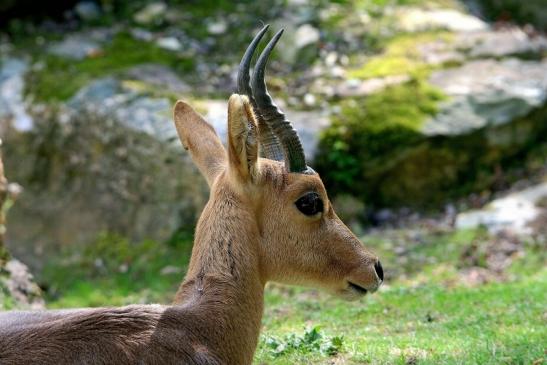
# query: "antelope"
(268, 218)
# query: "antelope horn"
(295, 161)
(269, 144)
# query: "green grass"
(401, 56)
(60, 78)
(114, 271)
(427, 312)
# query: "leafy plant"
(311, 341)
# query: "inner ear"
(242, 137)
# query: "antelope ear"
(242, 138)
(200, 138)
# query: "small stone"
(309, 100)
(331, 59)
(87, 10)
(142, 34)
(169, 43)
(306, 34)
(150, 13)
(217, 27)
(75, 47)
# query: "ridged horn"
(295, 161)
(269, 144)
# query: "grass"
(60, 78)
(401, 56)
(429, 312)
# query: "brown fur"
(250, 232)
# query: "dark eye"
(310, 204)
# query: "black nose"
(379, 270)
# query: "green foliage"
(60, 78)
(115, 271)
(521, 12)
(311, 342)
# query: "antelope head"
(299, 237)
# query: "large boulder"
(438, 116)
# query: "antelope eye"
(310, 204)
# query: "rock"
(501, 43)
(305, 35)
(87, 10)
(142, 34)
(19, 284)
(354, 87)
(75, 47)
(109, 98)
(217, 27)
(417, 20)
(159, 76)
(12, 105)
(115, 166)
(487, 93)
(169, 43)
(511, 213)
(310, 100)
(151, 13)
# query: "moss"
(379, 125)
(394, 165)
(401, 56)
(60, 78)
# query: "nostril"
(379, 270)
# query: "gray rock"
(416, 20)
(354, 87)
(109, 98)
(169, 43)
(87, 10)
(12, 105)
(305, 35)
(75, 47)
(151, 13)
(513, 212)
(217, 27)
(501, 43)
(20, 285)
(487, 93)
(159, 76)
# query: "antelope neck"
(223, 289)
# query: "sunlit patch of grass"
(401, 56)
(418, 317)
(114, 271)
(429, 324)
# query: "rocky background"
(411, 111)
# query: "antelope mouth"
(356, 288)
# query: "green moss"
(401, 56)
(376, 142)
(382, 124)
(60, 78)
